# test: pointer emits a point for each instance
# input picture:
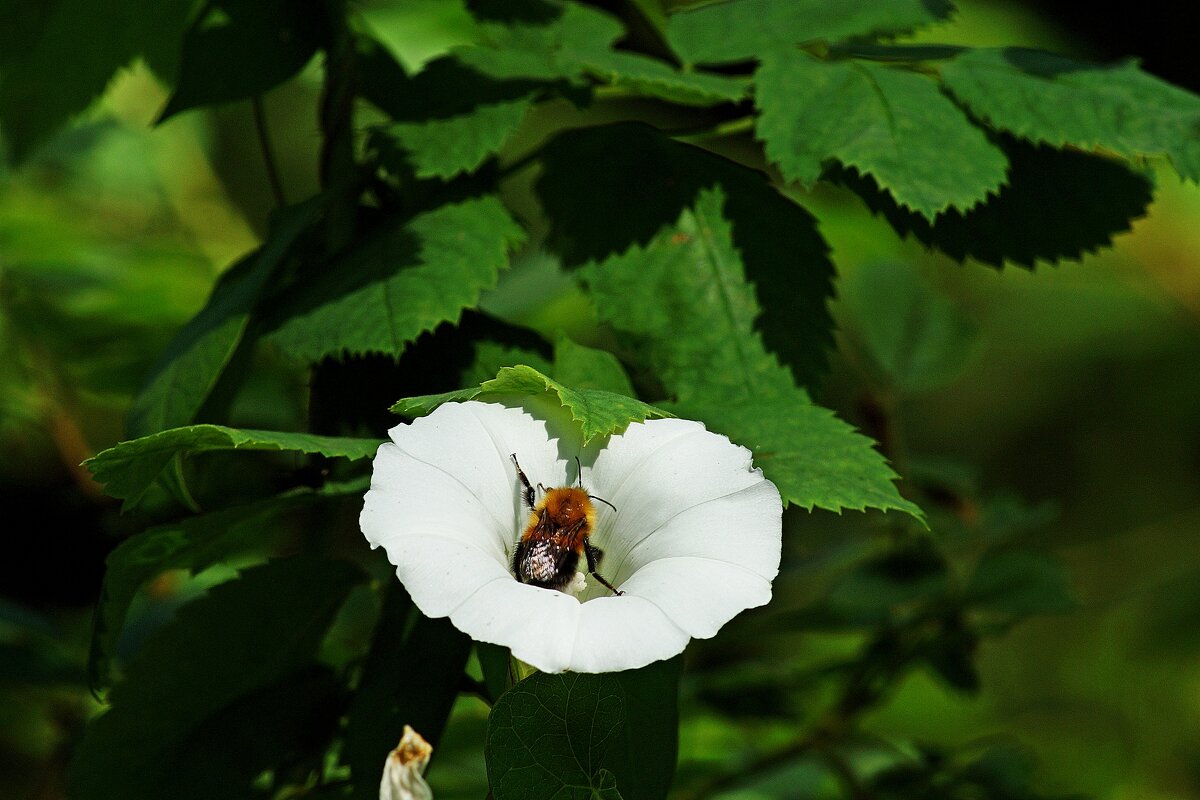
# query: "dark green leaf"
(196, 357)
(588, 368)
(1057, 100)
(236, 49)
(607, 188)
(598, 412)
(917, 337)
(650, 735)
(195, 544)
(554, 736)
(889, 122)
(130, 468)
(411, 677)
(1058, 204)
(221, 650)
(739, 30)
(869, 593)
(1019, 583)
(57, 56)
(400, 282)
(442, 148)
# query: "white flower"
(694, 540)
(404, 770)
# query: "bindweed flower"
(404, 770)
(692, 536)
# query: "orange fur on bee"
(564, 508)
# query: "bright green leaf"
(400, 282)
(197, 356)
(588, 368)
(645, 75)
(442, 148)
(220, 651)
(130, 468)
(916, 335)
(739, 30)
(598, 412)
(889, 122)
(1057, 100)
(491, 357)
(1092, 198)
(236, 49)
(57, 56)
(685, 302)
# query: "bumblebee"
(556, 537)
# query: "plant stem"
(268, 154)
(728, 128)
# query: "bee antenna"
(602, 500)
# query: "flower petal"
(699, 594)
(537, 624)
(619, 633)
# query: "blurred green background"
(1063, 404)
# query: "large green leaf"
(411, 677)
(609, 187)
(892, 123)
(195, 544)
(588, 368)
(598, 412)
(57, 56)
(193, 362)
(1057, 100)
(739, 30)
(1058, 204)
(684, 300)
(400, 282)
(236, 49)
(221, 652)
(579, 43)
(128, 469)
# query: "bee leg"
(594, 554)
(527, 492)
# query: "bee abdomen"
(540, 562)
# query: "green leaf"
(128, 469)
(1056, 100)
(889, 122)
(400, 282)
(1102, 196)
(197, 356)
(815, 459)
(1019, 583)
(579, 43)
(610, 187)
(195, 544)
(411, 677)
(236, 49)
(442, 148)
(491, 357)
(684, 300)
(739, 30)
(648, 742)
(550, 737)
(220, 651)
(914, 334)
(57, 56)
(588, 368)
(598, 412)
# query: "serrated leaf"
(609, 187)
(221, 650)
(193, 362)
(128, 469)
(589, 368)
(549, 737)
(916, 336)
(649, 76)
(889, 122)
(236, 49)
(1058, 204)
(815, 459)
(402, 281)
(411, 677)
(491, 357)
(56, 57)
(195, 544)
(739, 30)
(598, 412)
(1057, 100)
(684, 300)
(442, 148)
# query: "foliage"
(698, 284)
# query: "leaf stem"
(730, 127)
(268, 153)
